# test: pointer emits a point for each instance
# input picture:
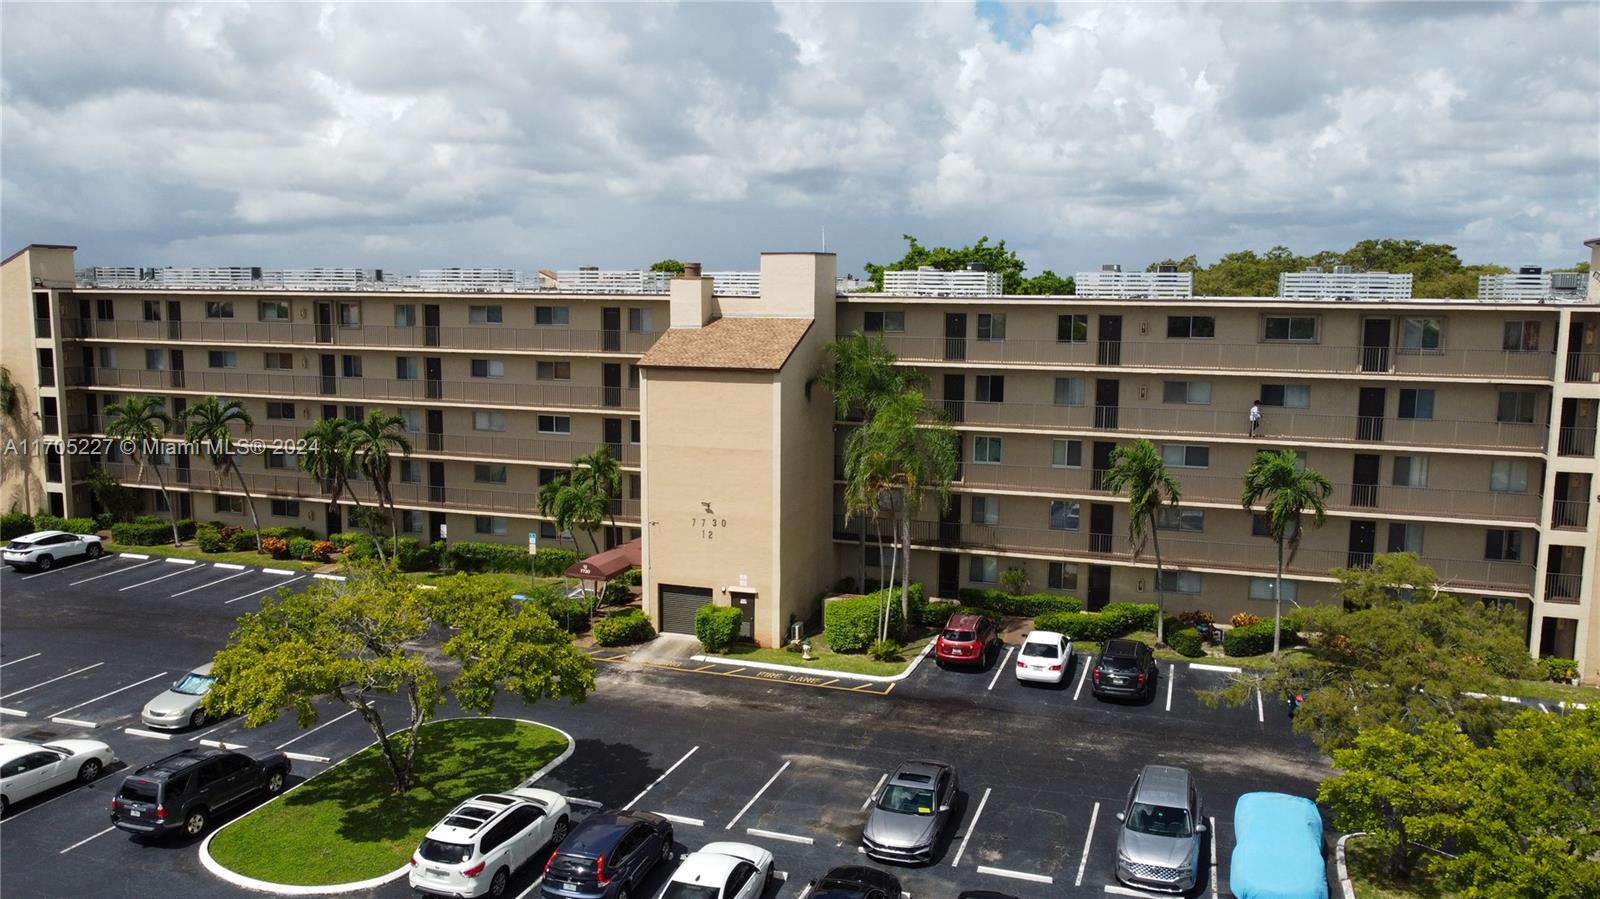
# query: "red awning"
(607, 565)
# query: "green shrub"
(851, 624)
(186, 528)
(616, 593)
(355, 544)
(150, 518)
(138, 533)
(299, 547)
(716, 626)
(884, 651)
(620, 630)
(15, 524)
(1132, 616)
(1025, 605)
(283, 533)
(411, 555)
(79, 525)
(1250, 640)
(633, 577)
(1078, 625)
(104, 520)
(1558, 669)
(571, 614)
(242, 541)
(209, 539)
(1186, 642)
(476, 558)
(44, 521)
(551, 561)
(1014, 580)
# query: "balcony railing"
(477, 391)
(1242, 357)
(1583, 366)
(1576, 442)
(1569, 514)
(473, 337)
(1564, 588)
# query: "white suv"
(473, 851)
(42, 549)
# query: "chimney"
(690, 270)
(689, 300)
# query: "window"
(1170, 519)
(349, 315)
(986, 510)
(272, 310)
(286, 508)
(1405, 538)
(351, 365)
(554, 371)
(410, 521)
(1064, 515)
(1421, 334)
(884, 322)
(411, 419)
(1260, 526)
(550, 315)
(405, 368)
(1416, 403)
(1072, 329)
(1522, 337)
(219, 309)
(1290, 327)
(231, 505)
(489, 368)
(280, 411)
(278, 461)
(105, 310)
(553, 424)
(1264, 587)
(641, 321)
(1410, 471)
(1186, 455)
(484, 315)
(1069, 392)
(222, 359)
(1180, 582)
(1508, 476)
(985, 570)
(488, 421)
(991, 389)
(355, 413)
(410, 471)
(1517, 406)
(986, 449)
(1066, 453)
(991, 326)
(1291, 396)
(1195, 393)
(489, 524)
(154, 360)
(152, 310)
(547, 531)
(1191, 326)
(277, 361)
(1502, 545)
(405, 315)
(108, 358)
(489, 474)
(633, 431)
(1063, 576)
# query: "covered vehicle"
(1277, 851)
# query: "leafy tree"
(670, 266)
(1140, 470)
(580, 499)
(1435, 268)
(209, 424)
(117, 498)
(994, 258)
(1048, 283)
(373, 442)
(1015, 580)
(330, 458)
(1287, 490)
(356, 641)
(142, 422)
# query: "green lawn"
(189, 551)
(510, 583)
(826, 659)
(1366, 872)
(1549, 691)
(345, 824)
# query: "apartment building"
(1463, 430)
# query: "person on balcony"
(1255, 417)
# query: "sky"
(551, 136)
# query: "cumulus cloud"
(544, 135)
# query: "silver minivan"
(1158, 844)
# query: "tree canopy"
(993, 257)
(670, 266)
(1435, 268)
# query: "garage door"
(678, 605)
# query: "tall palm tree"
(1287, 491)
(1139, 469)
(330, 458)
(209, 424)
(374, 441)
(141, 421)
(573, 506)
(599, 473)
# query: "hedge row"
(716, 626)
(133, 533)
(47, 522)
(475, 558)
(851, 624)
(619, 630)
(1115, 620)
(1025, 605)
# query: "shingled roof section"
(742, 344)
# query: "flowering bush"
(1244, 619)
(324, 551)
(276, 547)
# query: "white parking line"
(302, 757)
(51, 680)
(134, 555)
(679, 819)
(230, 566)
(276, 571)
(207, 584)
(803, 893)
(221, 745)
(112, 693)
(1082, 676)
(110, 573)
(136, 732)
(265, 589)
(23, 659)
(1015, 875)
(184, 570)
(868, 801)
(1000, 667)
(29, 577)
(74, 722)
(1213, 857)
(1117, 890)
(85, 840)
(176, 560)
(1088, 838)
(634, 800)
(18, 713)
(774, 835)
(317, 728)
(1221, 669)
(584, 803)
(971, 826)
(782, 768)
(1261, 709)
(537, 881)
(329, 577)
(1172, 675)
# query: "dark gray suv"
(180, 793)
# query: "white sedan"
(43, 549)
(28, 769)
(1044, 657)
(721, 871)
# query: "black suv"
(856, 882)
(1127, 669)
(607, 855)
(181, 792)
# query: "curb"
(284, 889)
(813, 672)
(1341, 869)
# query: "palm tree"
(599, 473)
(573, 506)
(1288, 491)
(329, 457)
(209, 424)
(141, 422)
(1139, 469)
(374, 441)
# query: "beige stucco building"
(1461, 429)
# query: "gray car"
(1158, 845)
(179, 705)
(915, 805)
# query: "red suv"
(966, 640)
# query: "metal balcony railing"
(1563, 588)
(473, 337)
(1583, 366)
(1576, 442)
(1569, 514)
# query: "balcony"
(1576, 442)
(1254, 358)
(1569, 515)
(475, 391)
(478, 337)
(1583, 366)
(1563, 588)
